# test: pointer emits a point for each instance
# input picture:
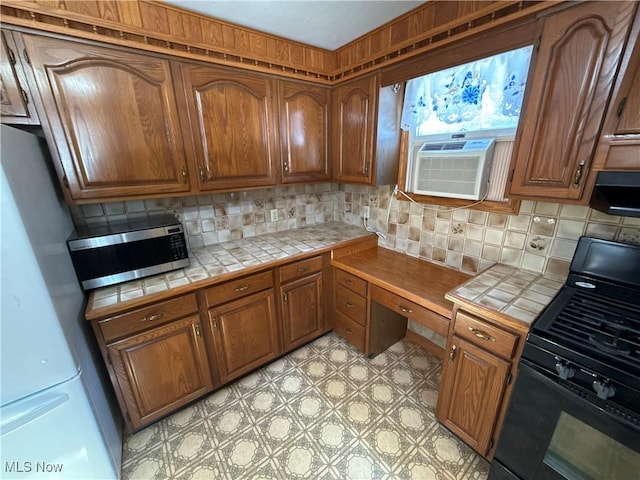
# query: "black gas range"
(574, 412)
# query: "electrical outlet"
(365, 211)
(274, 215)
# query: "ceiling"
(327, 24)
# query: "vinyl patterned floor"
(323, 411)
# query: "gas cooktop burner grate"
(601, 324)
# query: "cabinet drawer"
(412, 311)
(351, 331)
(353, 283)
(491, 338)
(352, 305)
(300, 269)
(238, 288)
(147, 317)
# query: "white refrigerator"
(58, 417)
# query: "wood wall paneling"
(129, 13)
(158, 27)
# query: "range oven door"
(551, 432)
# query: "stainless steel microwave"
(110, 253)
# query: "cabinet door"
(354, 130)
(569, 88)
(304, 132)
(232, 126)
(16, 105)
(619, 145)
(113, 119)
(245, 334)
(302, 310)
(160, 370)
(471, 393)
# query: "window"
(448, 113)
(480, 96)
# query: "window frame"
(490, 42)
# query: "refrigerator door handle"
(21, 412)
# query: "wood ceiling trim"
(157, 27)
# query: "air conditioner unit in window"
(456, 169)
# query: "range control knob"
(564, 370)
(603, 389)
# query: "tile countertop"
(223, 261)
(517, 295)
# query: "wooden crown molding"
(157, 27)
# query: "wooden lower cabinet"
(160, 370)
(163, 355)
(471, 393)
(476, 380)
(302, 319)
(304, 300)
(245, 334)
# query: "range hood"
(617, 193)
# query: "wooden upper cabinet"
(16, 104)
(619, 145)
(304, 132)
(568, 93)
(113, 119)
(232, 126)
(354, 131)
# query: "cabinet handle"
(153, 317)
(285, 166)
(481, 334)
(214, 323)
(25, 98)
(348, 331)
(202, 176)
(183, 171)
(578, 176)
(365, 170)
(452, 353)
(404, 309)
(285, 297)
(348, 282)
(243, 288)
(12, 56)
(197, 328)
(621, 106)
(302, 269)
(349, 304)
